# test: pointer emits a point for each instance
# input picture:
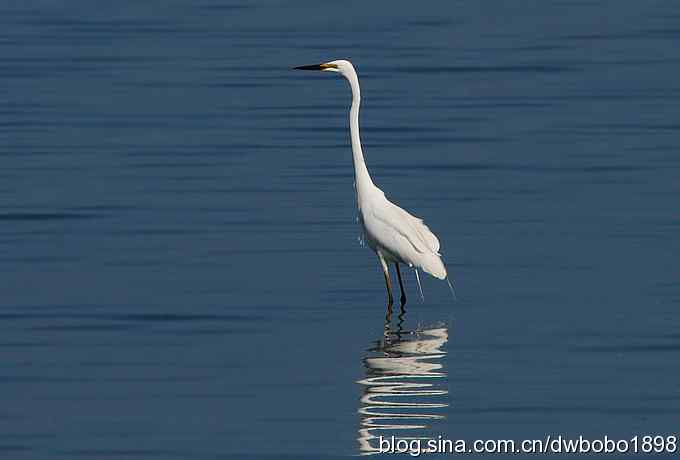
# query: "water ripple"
(37, 216)
(404, 386)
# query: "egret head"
(341, 66)
(344, 68)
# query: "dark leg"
(388, 281)
(388, 321)
(401, 285)
(402, 318)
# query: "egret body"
(394, 235)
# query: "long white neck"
(362, 180)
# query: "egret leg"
(401, 285)
(388, 281)
(402, 317)
(388, 323)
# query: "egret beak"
(316, 67)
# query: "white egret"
(395, 235)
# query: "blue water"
(180, 275)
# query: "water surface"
(179, 265)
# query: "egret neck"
(362, 179)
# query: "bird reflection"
(405, 384)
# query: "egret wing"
(421, 230)
(404, 236)
(407, 226)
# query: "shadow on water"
(405, 387)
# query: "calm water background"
(179, 269)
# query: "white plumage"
(399, 236)
(395, 235)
